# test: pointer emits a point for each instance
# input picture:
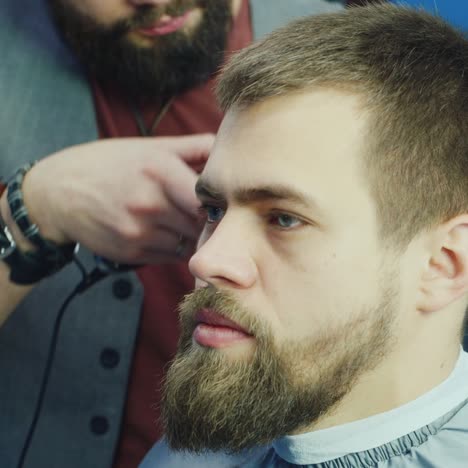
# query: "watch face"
(7, 244)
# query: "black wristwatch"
(31, 267)
(48, 258)
(7, 244)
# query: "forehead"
(312, 141)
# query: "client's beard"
(211, 402)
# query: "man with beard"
(108, 68)
(332, 273)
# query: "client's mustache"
(224, 304)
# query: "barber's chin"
(223, 338)
(138, 40)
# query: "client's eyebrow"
(249, 195)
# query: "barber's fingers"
(190, 148)
(179, 222)
(165, 245)
(153, 208)
(178, 183)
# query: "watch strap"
(31, 267)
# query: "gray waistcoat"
(46, 105)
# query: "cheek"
(103, 12)
(318, 291)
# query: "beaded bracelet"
(30, 267)
(18, 210)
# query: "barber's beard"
(175, 63)
(214, 402)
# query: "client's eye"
(211, 214)
(285, 221)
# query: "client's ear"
(446, 276)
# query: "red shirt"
(195, 111)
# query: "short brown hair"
(411, 69)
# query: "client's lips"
(211, 317)
(215, 331)
(166, 25)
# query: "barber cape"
(429, 432)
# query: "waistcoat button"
(109, 358)
(122, 289)
(99, 425)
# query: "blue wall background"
(455, 11)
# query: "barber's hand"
(128, 200)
